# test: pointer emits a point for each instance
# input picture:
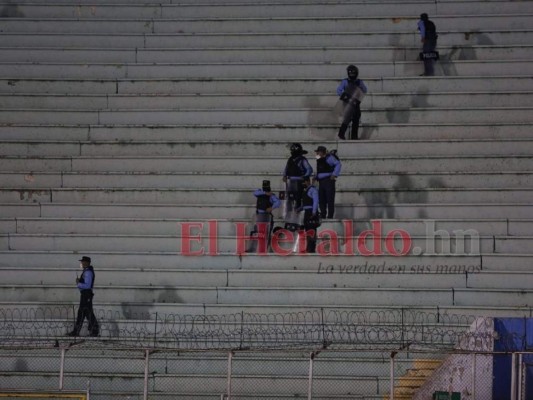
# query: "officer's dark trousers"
(86, 311)
(352, 113)
(310, 229)
(429, 64)
(326, 197)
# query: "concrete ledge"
(367, 197)
(292, 296)
(282, 54)
(225, 227)
(269, 278)
(267, 39)
(265, 165)
(196, 133)
(18, 71)
(277, 101)
(173, 260)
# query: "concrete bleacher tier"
(121, 120)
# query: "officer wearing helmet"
(296, 170)
(351, 92)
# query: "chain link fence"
(107, 373)
(322, 354)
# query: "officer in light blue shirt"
(351, 92)
(85, 284)
(328, 168)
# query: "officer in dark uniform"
(85, 284)
(296, 170)
(266, 202)
(428, 35)
(351, 92)
(328, 168)
(311, 217)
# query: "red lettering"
(212, 248)
(329, 247)
(406, 242)
(375, 233)
(348, 237)
(187, 237)
(282, 236)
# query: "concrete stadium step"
(251, 10)
(468, 242)
(263, 55)
(250, 86)
(183, 102)
(279, 296)
(324, 115)
(475, 22)
(265, 165)
(387, 198)
(374, 148)
(296, 363)
(239, 180)
(332, 264)
(268, 278)
(235, 70)
(207, 386)
(383, 210)
(197, 133)
(251, 39)
(227, 227)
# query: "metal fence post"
(391, 377)
(513, 377)
(88, 390)
(62, 369)
(146, 372)
(474, 375)
(230, 361)
(520, 377)
(310, 383)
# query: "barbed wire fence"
(237, 354)
(315, 328)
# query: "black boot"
(355, 132)
(342, 131)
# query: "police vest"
(431, 30)
(82, 279)
(294, 166)
(351, 87)
(323, 166)
(263, 202)
(307, 201)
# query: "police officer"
(85, 285)
(351, 92)
(266, 202)
(428, 35)
(328, 168)
(311, 218)
(296, 170)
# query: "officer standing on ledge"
(351, 92)
(266, 202)
(296, 170)
(85, 284)
(428, 35)
(311, 218)
(328, 168)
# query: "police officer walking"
(311, 218)
(351, 92)
(428, 35)
(328, 168)
(296, 170)
(85, 285)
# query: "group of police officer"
(301, 193)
